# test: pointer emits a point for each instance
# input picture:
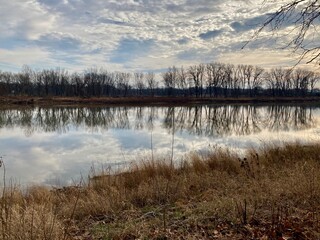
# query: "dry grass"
(148, 100)
(272, 193)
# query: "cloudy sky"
(134, 35)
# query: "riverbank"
(149, 101)
(271, 193)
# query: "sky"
(135, 35)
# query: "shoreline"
(149, 101)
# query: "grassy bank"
(150, 101)
(271, 193)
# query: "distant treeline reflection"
(198, 120)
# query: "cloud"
(24, 19)
(210, 34)
(265, 58)
(128, 33)
(21, 56)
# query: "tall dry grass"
(275, 188)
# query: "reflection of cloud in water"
(50, 154)
(132, 139)
(54, 156)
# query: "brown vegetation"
(271, 193)
(148, 101)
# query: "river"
(57, 146)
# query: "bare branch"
(300, 19)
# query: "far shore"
(150, 101)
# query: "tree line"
(202, 80)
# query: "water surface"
(56, 146)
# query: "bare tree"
(314, 78)
(77, 84)
(302, 80)
(6, 80)
(215, 75)
(24, 80)
(151, 82)
(245, 73)
(229, 79)
(196, 73)
(182, 80)
(288, 83)
(170, 79)
(279, 81)
(257, 79)
(122, 82)
(302, 16)
(213, 79)
(107, 82)
(139, 81)
(63, 82)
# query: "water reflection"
(42, 145)
(208, 121)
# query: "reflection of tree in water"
(63, 119)
(139, 118)
(152, 116)
(226, 120)
(145, 117)
(24, 118)
(213, 121)
(198, 120)
(238, 120)
(168, 119)
(289, 118)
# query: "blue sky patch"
(129, 49)
(59, 42)
(210, 34)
